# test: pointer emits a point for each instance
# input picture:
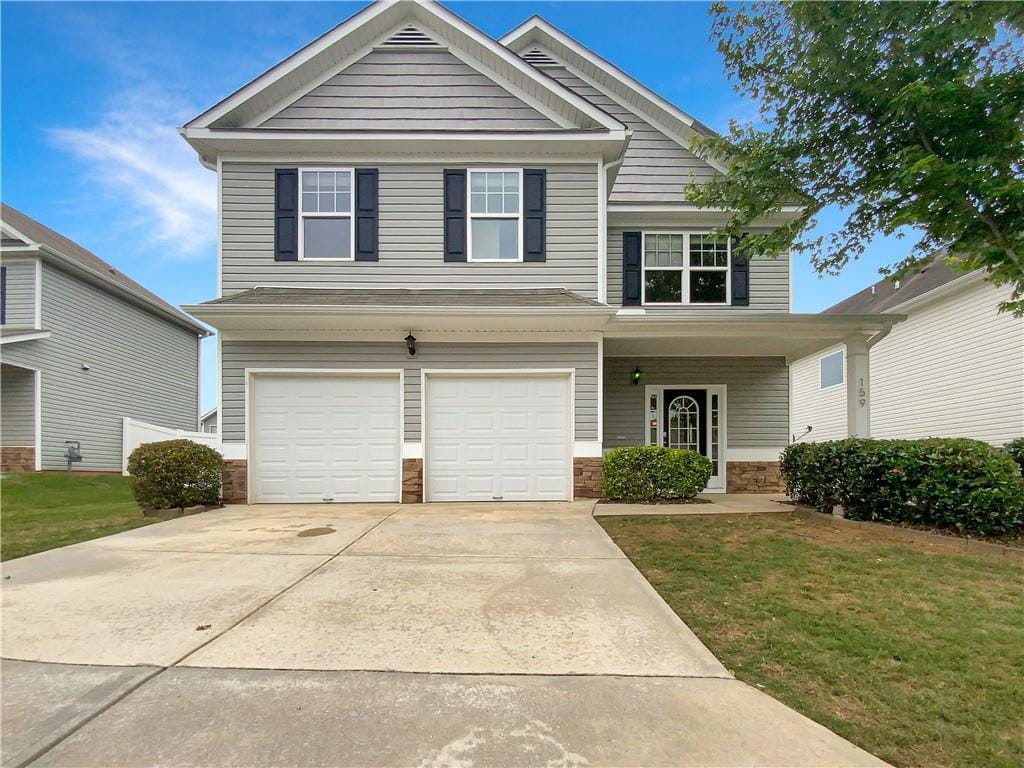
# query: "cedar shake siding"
(236, 356)
(411, 234)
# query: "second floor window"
(685, 268)
(495, 220)
(326, 230)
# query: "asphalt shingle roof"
(512, 298)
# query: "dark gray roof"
(884, 295)
(71, 250)
(497, 298)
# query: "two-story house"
(455, 268)
(83, 347)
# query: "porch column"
(858, 388)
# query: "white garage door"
(497, 437)
(326, 438)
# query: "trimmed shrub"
(175, 474)
(963, 485)
(1016, 450)
(647, 473)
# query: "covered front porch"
(720, 385)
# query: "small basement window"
(326, 230)
(495, 220)
(830, 370)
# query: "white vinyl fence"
(136, 433)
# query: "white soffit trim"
(536, 30)
(753, 454)
(379, 22)
(586, 449)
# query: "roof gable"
(30, 231)
(410, 86)
(535, 37)
(383, 25)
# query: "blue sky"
(92, 94)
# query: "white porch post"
(858, 388)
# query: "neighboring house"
(454, 268)
(83, 347)
(954, 368)
(208, 422)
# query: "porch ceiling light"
(410, 344)
(634, 377)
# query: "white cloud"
(136, 156)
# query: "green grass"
(913, 652)
(43, 510)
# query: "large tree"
(902, 114)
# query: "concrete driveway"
(371, 635)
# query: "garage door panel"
(320, 437)
(497, 436)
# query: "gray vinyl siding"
(17, 407)
(769, 279)
(139, 366)
(411, 235)
(410, 90)
(655, 168)
(237, 356)
(21, 292)
(756, 400)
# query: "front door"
(684, 421)
(692, 418)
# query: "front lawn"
(913, 652)
(43, 510)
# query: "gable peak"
(412, 35)
(538, 57)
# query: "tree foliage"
(902, 114)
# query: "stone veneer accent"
(587, 473)
(17, 458)
(754, 477)
(235, 481)
(412, 481)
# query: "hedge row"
(965, 485)
(647, 473)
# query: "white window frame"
(470, 215)
(329, 215)
(842, 370)
(686, 269)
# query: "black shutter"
(631, 268)
(286, 214)
(455, 215)
(740, 275)
(366, 214)
(3, 297)
(534, 205)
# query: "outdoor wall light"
(634, 377)
(410, 344)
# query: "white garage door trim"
(568, 373)
(249, 394)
